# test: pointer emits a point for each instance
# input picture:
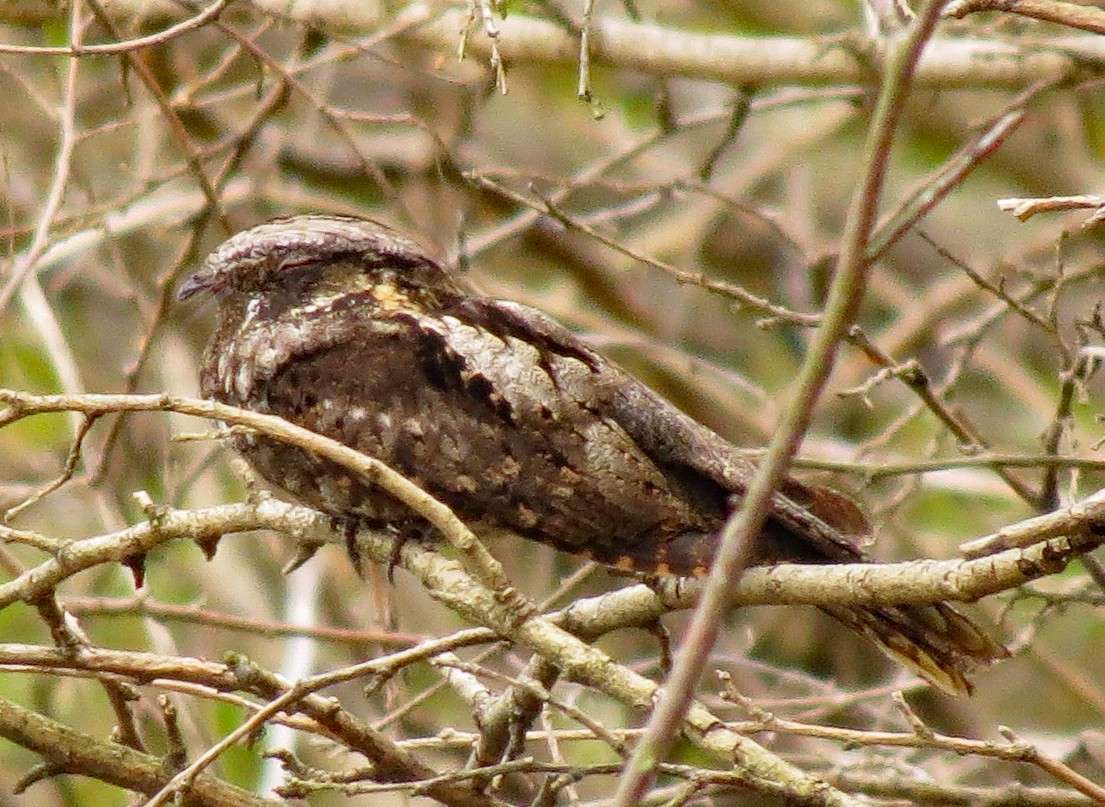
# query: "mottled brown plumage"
(351, 330)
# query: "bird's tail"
(935, 641)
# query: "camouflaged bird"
(351, 330)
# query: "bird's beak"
(200, 281)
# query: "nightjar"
(349, 329)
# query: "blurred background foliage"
(104, 210)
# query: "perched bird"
(352, 330)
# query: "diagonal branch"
(67, 750)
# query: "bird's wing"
(806, 523)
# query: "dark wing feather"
(820, 525)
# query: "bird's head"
(315, 257)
